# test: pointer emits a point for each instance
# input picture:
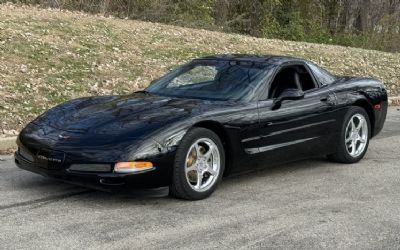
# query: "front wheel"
(354, 137)
(199, 165)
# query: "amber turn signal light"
(132, 166)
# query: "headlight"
(133, 166)
(90, 167)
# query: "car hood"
(139, 114)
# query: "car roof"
(269, 59)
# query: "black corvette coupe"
(210, 118)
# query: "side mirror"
(288, 94)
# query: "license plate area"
(50, 159)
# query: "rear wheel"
(354, 137)
(199, 165)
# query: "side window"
(286, 79)
(305, 79)
(197, 75)
(289, 78)
(322, 75)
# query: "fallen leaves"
(48, 56)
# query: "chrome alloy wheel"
(356, 136)
(202, 165)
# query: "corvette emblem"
(52, 159)
(61, 136)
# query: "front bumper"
(158, 177)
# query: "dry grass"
(49, 56)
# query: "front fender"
(164, 141)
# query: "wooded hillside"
(372, 24)
(49, 56)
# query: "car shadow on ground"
(159, 196)
(228, 183)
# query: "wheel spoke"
(208, 154)
(353, 126)
(199, 180)
(353, 146)
(212, 171)
(191, 168)
(197, 148)
(360, 124)
(362, 140)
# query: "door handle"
(329, 99)
(324, 99)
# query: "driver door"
(297, 128)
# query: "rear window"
(322, 76)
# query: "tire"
(193, 163)
(344, 150)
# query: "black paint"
(143, 126)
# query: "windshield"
(212, 79)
